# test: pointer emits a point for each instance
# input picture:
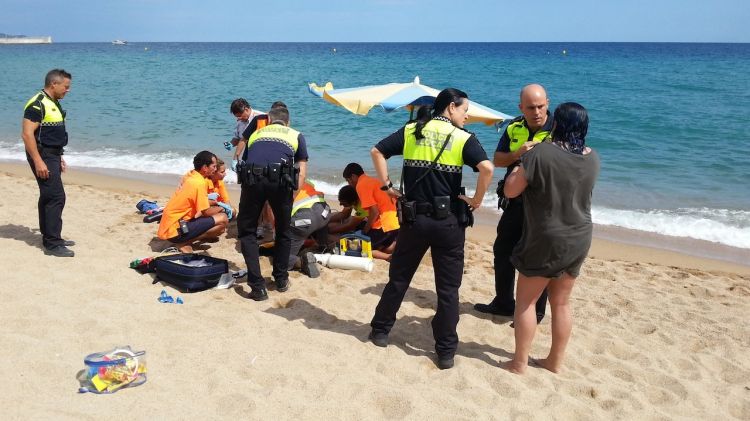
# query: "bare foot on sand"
(185, 249)
(513, 367)
(546, 364)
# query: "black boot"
(258, 294)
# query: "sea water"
(668, 120)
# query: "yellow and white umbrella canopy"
(393, 96)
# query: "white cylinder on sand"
(335, 261)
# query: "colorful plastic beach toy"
(108, 372)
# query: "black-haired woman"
(556, 179)
(435, 149)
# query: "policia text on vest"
(440, 149)
(283, 173)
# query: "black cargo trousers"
(51, 196)
(252, 198)
(445, 238)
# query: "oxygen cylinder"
(335, 261)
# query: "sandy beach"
(657, 334)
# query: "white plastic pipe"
(336, 261)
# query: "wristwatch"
(386, 186)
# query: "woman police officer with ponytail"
(435, 149)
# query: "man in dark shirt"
(44, 137)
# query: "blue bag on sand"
(146, 205)
(189, 272)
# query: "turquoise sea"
(669, 120)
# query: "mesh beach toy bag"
(110, 371)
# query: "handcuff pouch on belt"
(406, 211)
(440, 208)
(283, 174)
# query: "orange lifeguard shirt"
(368, 190)
(190, 198)
(307, 190)
(220, 188)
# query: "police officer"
(523, 132)
(44, 136)
(434, 214)
(269, 174)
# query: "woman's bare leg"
(562, 321)
(527, 293)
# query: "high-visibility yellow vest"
(52, 114)
(422, 152)
(307, 197)
(518, 133)
(276, 133)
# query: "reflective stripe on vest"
(307, 203)
(276, 133)
(422, 152)
(52, 114)
(519, 134)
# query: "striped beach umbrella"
(393, 96)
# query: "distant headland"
(23, 39)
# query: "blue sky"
(380, 20)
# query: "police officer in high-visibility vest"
(522, 134)
(433, 213)
(310, 216)
(44, 136)
(276, 164)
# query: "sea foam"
(724, 226)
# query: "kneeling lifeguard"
(188, 216)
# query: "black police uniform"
(431, 229)
(268, 175)
(510, 226)
(51, 137)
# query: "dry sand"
(657, 335)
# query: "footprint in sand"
(646, 329)
(610, 405)
(508, 390)
(666, 389)
(627, 396)
(740, 408)
(733, 374)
